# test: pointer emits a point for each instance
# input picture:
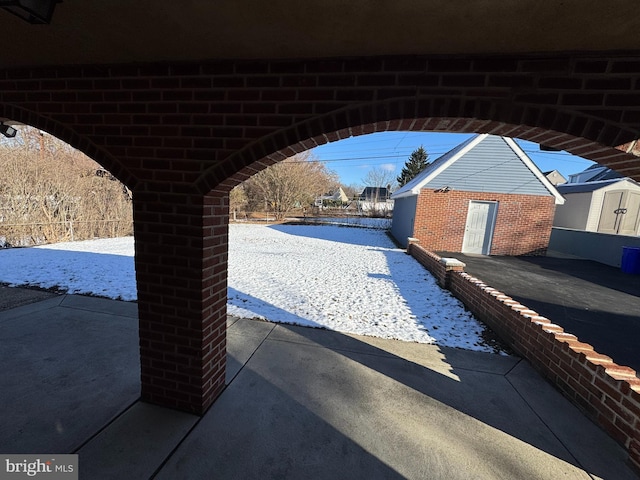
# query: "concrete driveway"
(299, 403)
(597, 303)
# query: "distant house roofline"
(380, 193)
(584, 187)
(594, 173)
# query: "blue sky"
(352, 158)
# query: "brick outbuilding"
(485, 196)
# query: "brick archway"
(399, 115)
(25, 117)
(174, 122)
(181, 135)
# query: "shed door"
(631, 218)
(620, 213)
(478, 230)
(610, 215)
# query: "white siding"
(598, 200)
(596, 209)
(582, 210)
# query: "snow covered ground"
(353, 280)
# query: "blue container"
(630, 260)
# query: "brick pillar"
(450, 265)
(181, 250)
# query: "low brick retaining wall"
(608, 393)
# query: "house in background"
(332, 199)
(609, 205)
(555, 177)
(485, 196)
(594, 173)
(375, 201)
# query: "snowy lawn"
(351, 280)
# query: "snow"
(352, 280)
(94, 267)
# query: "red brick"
(130, 118)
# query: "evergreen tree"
(416, 163)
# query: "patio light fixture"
(31, 11)
(7, 130)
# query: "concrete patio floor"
(300, 403)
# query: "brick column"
(450, 265)
(181, 270)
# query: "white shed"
(606, 206)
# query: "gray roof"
(484, 163)
(607, 174)
(598, 172)
(589, 186)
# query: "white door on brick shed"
(478, 232)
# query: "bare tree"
(50, 192)
(352, 190)
(380, 183)
(380, 177)
(294, 182)
(238, 200)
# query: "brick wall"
(181, 135)
(429, 259)
(606, 392)
(181, 271)
(523, 222)
(205, 122)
